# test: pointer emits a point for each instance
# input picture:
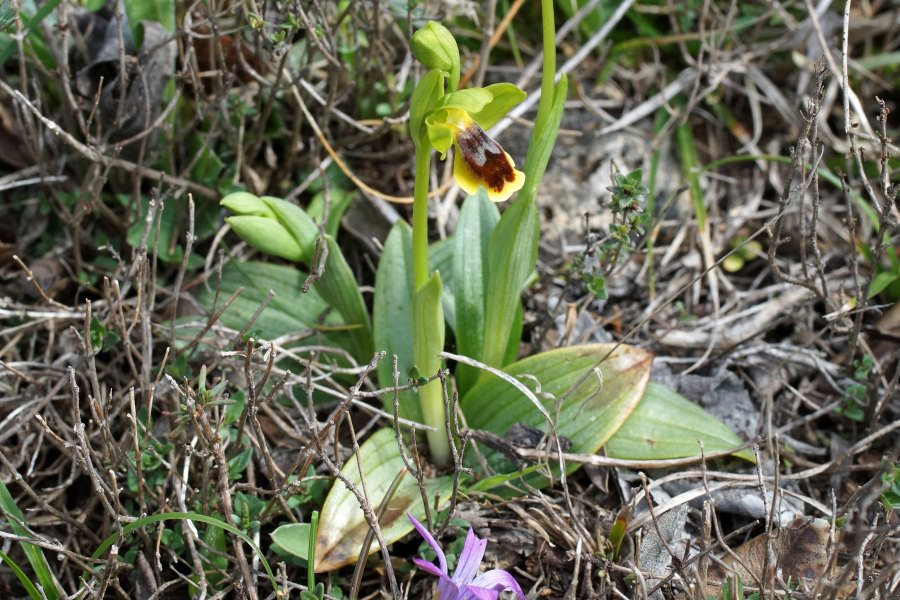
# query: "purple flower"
(465, 584)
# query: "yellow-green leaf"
(342, 525)
(591, 411)
(667, 425)
(391, 320)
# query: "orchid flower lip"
(480, 160)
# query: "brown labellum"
(485, 158)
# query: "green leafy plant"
(629, 219)
(470, 285)
(887, 277)
(854, 406)
(890, 497)
(7, 42)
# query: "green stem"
(431, 399)
(420, 216)
(548, 75)
(311, 551)
(428, 319)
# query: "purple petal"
(447, 590)
(498, 579)
(429, 567)
(469, 559)
(442, 560)
(471, 592)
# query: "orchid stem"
(548, 75)
(431, 327)
(420, 216)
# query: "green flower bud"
(266, 235)
(245, 203)
(272, 225)
(434, 46)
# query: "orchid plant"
(469, 285)
(441, 116)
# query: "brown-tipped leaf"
(342, 525)
(591, 410)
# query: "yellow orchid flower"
(480, 161)
(460, 120)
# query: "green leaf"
(881, 281)
(504, 96)
(515, 336)
(428, 326)
(428, 341)
(687, 150)
(214, 551)
(293, 538)
(280, 228)
(667, 425)
(591, 408)
(543, 139)
(342, 526)
(97, 333)
(288, 311)
(477, 220)
(338, 288)
(494, 481)
(33, 553)
(118, 536)
(512, 254)
(340, 201)
(440, 257)
(8, 44)
(391, 316)
(160, 11)
(392, 309)
(238, 464)
(513, 248)
(32, 591)
(173, 217)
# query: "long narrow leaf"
(391, 322)
(512, 253)
(33, 553)
(338, 287)
(440, 258)
(477, 220)
(30, 24)
(22, 577)
(428, 341)
(546, 129)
